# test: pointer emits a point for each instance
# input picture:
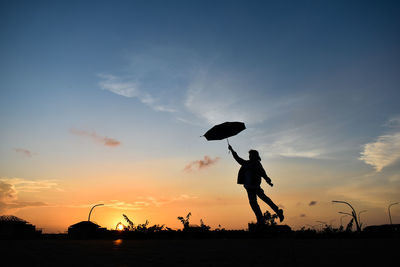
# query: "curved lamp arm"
(354, 214)
(92, 210)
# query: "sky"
(106, 102)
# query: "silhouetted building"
(384, 229)
(86, 229)
(14, 227)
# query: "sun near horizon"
(105, 103)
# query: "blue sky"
(316, 82)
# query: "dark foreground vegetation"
(19, 229)
(197, 245)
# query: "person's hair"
(254, 153)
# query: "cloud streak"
(9, 189)
(218, 97)
(24, 152)
(386, 149)
(200, 164)
(139, 204)
(33, 186)
(294, 143)
(121, 205)
(383, 152)
(312, 203)
(107, 141)
(130, 89)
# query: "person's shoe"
(280, 215)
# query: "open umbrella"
(224, 130)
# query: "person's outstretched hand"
(269, 181)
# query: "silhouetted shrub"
(350, 225)
(185, 221)
(269, 219)
(130, 226)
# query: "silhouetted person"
(249, 176)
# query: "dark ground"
(201, 252)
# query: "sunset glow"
(120, 227)
(108, 103)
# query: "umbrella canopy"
(224, 130)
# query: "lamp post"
(390, 216)
(92, 210)
(360, 217)
(353, 213)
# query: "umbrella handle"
(227, 140)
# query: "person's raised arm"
(235, 156)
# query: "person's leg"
(252, 195)
(263, 196)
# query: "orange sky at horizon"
(161, 195)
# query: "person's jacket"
(250, 172)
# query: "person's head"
(253, 155)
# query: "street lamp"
(353, 213)
(390, 217)
(359, 215)
(92, 210)
(344, 215)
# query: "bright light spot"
(117, 242)
(120, 227)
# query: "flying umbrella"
(224, 130)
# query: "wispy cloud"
(225, 98)
(7, 191)
(11, 187)
(312, 203)
(121, 205)
(158, 202)
(139, 204)
(131, 89)
(220, 97)
(107, 141)
(115, 85)
(385, 150)
(200, 164)
(24, 152)
(393, 122)
(25, 185)
(294, 143)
